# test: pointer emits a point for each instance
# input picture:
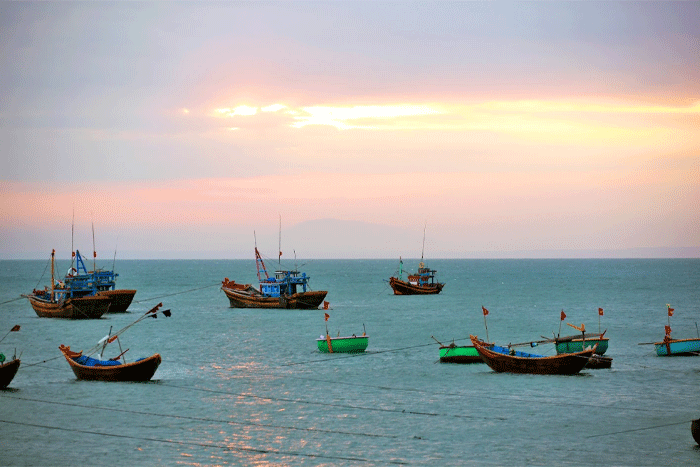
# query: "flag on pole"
(486, 312)
(670, 311)
(325, 305)
(327, 316)
(563, 315)
(600, 311)
(668, 331)
(15, 328)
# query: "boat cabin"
(285, 283)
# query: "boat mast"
(423, 250)
(72, 249)
(94, 253)
(279, 247)
(259, 263)
(53, 252)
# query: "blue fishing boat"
(101, 282)
(677, 347)
(670, 347)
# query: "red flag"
(325, 305)
(327, 316)
(15, 328)
(670, 311)
(563, 315)
(668, 330)
(600, 311)
(486, 312)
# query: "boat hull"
(8, 370)
(577, 345)
(141, 370)
(460, 354)
(695, 430)
(500, 360)
(243, 298)
(92, 307)
(406, 288)
(352, 344)
(677, 347)
(121, 299)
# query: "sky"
(350, 129)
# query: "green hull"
(353, 344)
(459, 354)
(576, 345)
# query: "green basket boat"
(578, 345)
(351, 344)
(459, 354)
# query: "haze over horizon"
(192, 129)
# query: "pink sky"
(180, 130)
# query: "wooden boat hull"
(460, 354)
(695, 430)
(406, 288)
(677, 347)
(92, 307)
(577, 345)
(352, 344)
(8, 370)
(121, 299)
(141, 370)
(597, 362)
(243, 298)
(521, 362)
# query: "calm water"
(248, 387)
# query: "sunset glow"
(536, 127)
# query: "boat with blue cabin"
(288, 289)
(97, 282)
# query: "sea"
(249, 387)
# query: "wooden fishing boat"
(8, 370)
(350, 344)
(287, 289)
(48, 304)
(421, 283)
(61, 301)
(97, 282)
(459, 354)
(677, 347)
(504, 359)
(89, 368)
(86, 367)
(597, 362)
(695, 430)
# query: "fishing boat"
(86, 367)
(61, 301)
(459, 354)
(509, 360)
(349, 344)
(89, 368)
(677, 347)
(287, 289)
(97, 282)
(695, 429)
(671, 347)
(8, 370)
(421, 283)
(573, 344)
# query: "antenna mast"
(423, 250)
(94, 253)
